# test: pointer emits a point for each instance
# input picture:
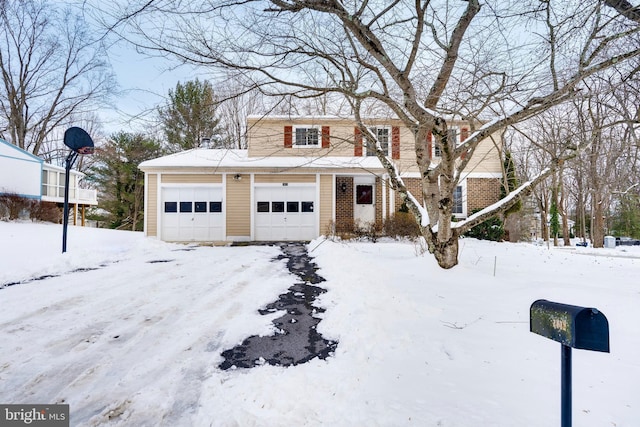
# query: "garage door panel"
(192, 214)
(285, 213)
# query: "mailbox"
(576, 327)
(573, 327)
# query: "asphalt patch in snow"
(77, 270)
(49, 276)
(296, 340)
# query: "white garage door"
(192, 214)
(285, 213)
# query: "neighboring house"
(28, 176)
(301, 177)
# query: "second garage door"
(285, 213)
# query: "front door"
(364, 209)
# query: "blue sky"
(143, 83)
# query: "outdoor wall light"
(343, 187)
(237, 177)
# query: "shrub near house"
(14, 207)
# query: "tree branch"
(449, 63)
(624, 8)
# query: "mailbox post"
(573, 327)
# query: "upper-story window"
(453, 136)
(306, 136)
(383, 136)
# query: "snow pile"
(131, 330)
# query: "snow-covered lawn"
(137, 340)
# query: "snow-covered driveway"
(138, 333)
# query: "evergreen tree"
(492, 229)
(626, 221)
(190, 117)
(119, 181)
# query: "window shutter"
(325, 137)
(430, 144)
(395, 142)
(357, 148)
(464, 134)
(288, 136)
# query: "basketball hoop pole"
(70, 160)
(79, 141)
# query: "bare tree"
(555, 137)
(603, 123)
(51, 67)
(610, 157)
(427, 62)
(235, 103)
(531, 159)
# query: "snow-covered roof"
(298, 116)
(10, 150)
(329, 117)
(224, 158)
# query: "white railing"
(88, 196)
(85, 196)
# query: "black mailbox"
(574, 326)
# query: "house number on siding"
(285, 184)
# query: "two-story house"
(28, 176)
(299, 178)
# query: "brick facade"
(378, 201)
(344, 204)
(482, 192)
(414, 186)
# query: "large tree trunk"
(597, 222)
(544, 213)
(581, 217)
(556, 205)
(562, 207)
(566, 233)
(446, 253)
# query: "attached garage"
(192, 214)
(285, 212)
(224, 196)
